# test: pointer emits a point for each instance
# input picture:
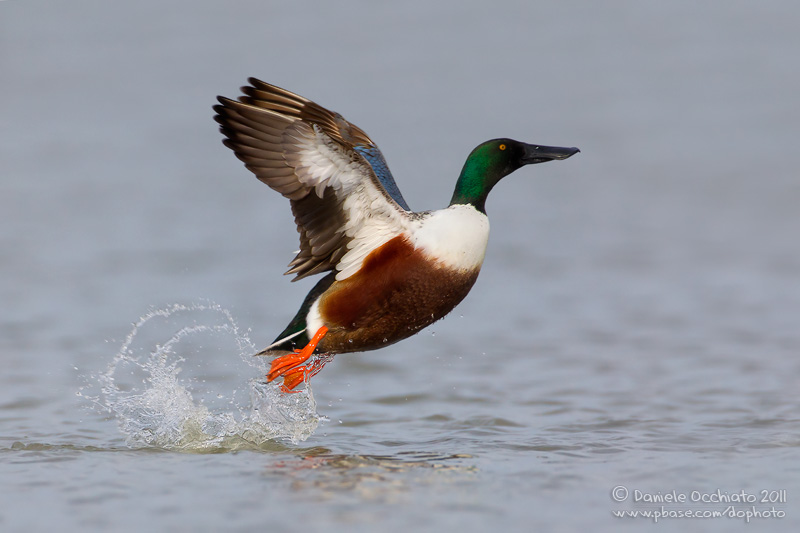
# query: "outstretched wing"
(345, 201)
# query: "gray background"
(635, 322)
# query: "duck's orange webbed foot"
(295, 376)
(288, 365)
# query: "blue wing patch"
(375, 159)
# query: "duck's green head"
(495, 159)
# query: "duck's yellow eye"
(502, 146)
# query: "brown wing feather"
(269, 129)
(267, 96)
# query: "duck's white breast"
(456, 236)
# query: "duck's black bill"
(535, 153)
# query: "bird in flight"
(390, 271)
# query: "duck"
(389, 271)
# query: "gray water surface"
(635, 324)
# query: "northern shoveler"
(392, 271)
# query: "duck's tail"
(295, 335)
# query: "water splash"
(172, 395)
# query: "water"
(635, 323)
(158, 404)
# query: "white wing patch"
(371, 220)
(319, 162)
(372, 223)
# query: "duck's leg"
(284, 364)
